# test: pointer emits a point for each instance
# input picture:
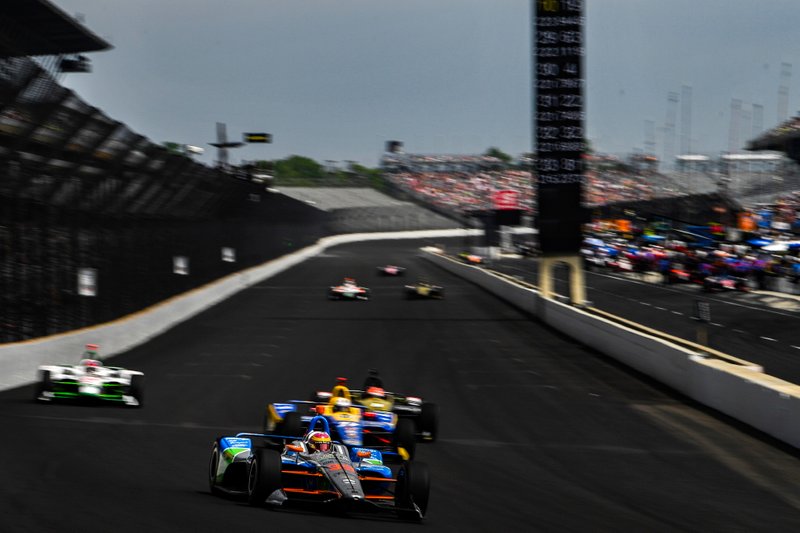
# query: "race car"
(470, 258)
(279, 470)
(352, 424)
(348, 290)
(90, 379)
(391, 270)
(373, 398)
(423, 289)
(725, 282)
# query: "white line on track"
(795, 347)
(677, 313)
(661, 308)
(726, 302)
(215, 376)
(768, 338)
(127, 422)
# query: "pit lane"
(537, 432)
(757, 326)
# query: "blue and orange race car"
(280, 470)
(352, 423)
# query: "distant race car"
(423, 289)
(724, 283)
(90, 380)
(352, 424)
(279, 470)
(348, 290)
(472, 259)
(391, 270)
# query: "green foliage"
(298, 167)
(499, 154)
(173, 148)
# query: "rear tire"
(429, 421)
(405, 436)
(291, 425)
(263, 476)
(44, 384)
(413, 487)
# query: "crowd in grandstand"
(462, 184)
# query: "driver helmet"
(341, 405)
(90, 366)
(91, 351)
(376, 392)
(318, 441)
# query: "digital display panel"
(558, 122)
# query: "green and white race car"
(90, 379)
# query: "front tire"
(137, 388)
(405, 436)
(263, 476)
(429, 421)
(413, 488)
(213, 465)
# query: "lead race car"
(352, 424)
(391, 270)
(348, 290)
(280, 470)
(90, 379)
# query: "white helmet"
(341, 405)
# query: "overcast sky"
(335, 79)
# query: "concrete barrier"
(744, 393)
(19, 360)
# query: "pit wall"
(19, 361)
(759, 400)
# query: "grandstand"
(332, 198)
(83, 197)
(357, 209)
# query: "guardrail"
(730, 385)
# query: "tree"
(173, 148)
(499, 154)
(298, 167)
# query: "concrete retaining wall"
(759, 400)
(19, 360)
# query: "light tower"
(783, 92)
(223, 145)
(669, 128)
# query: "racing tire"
(291, 425)
(213, 464)
(405, 436)
(263, 476)
(44, 384)
(413, 488)
(136, 389)
(429, 421)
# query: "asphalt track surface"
(537, 433)
(757, 326)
